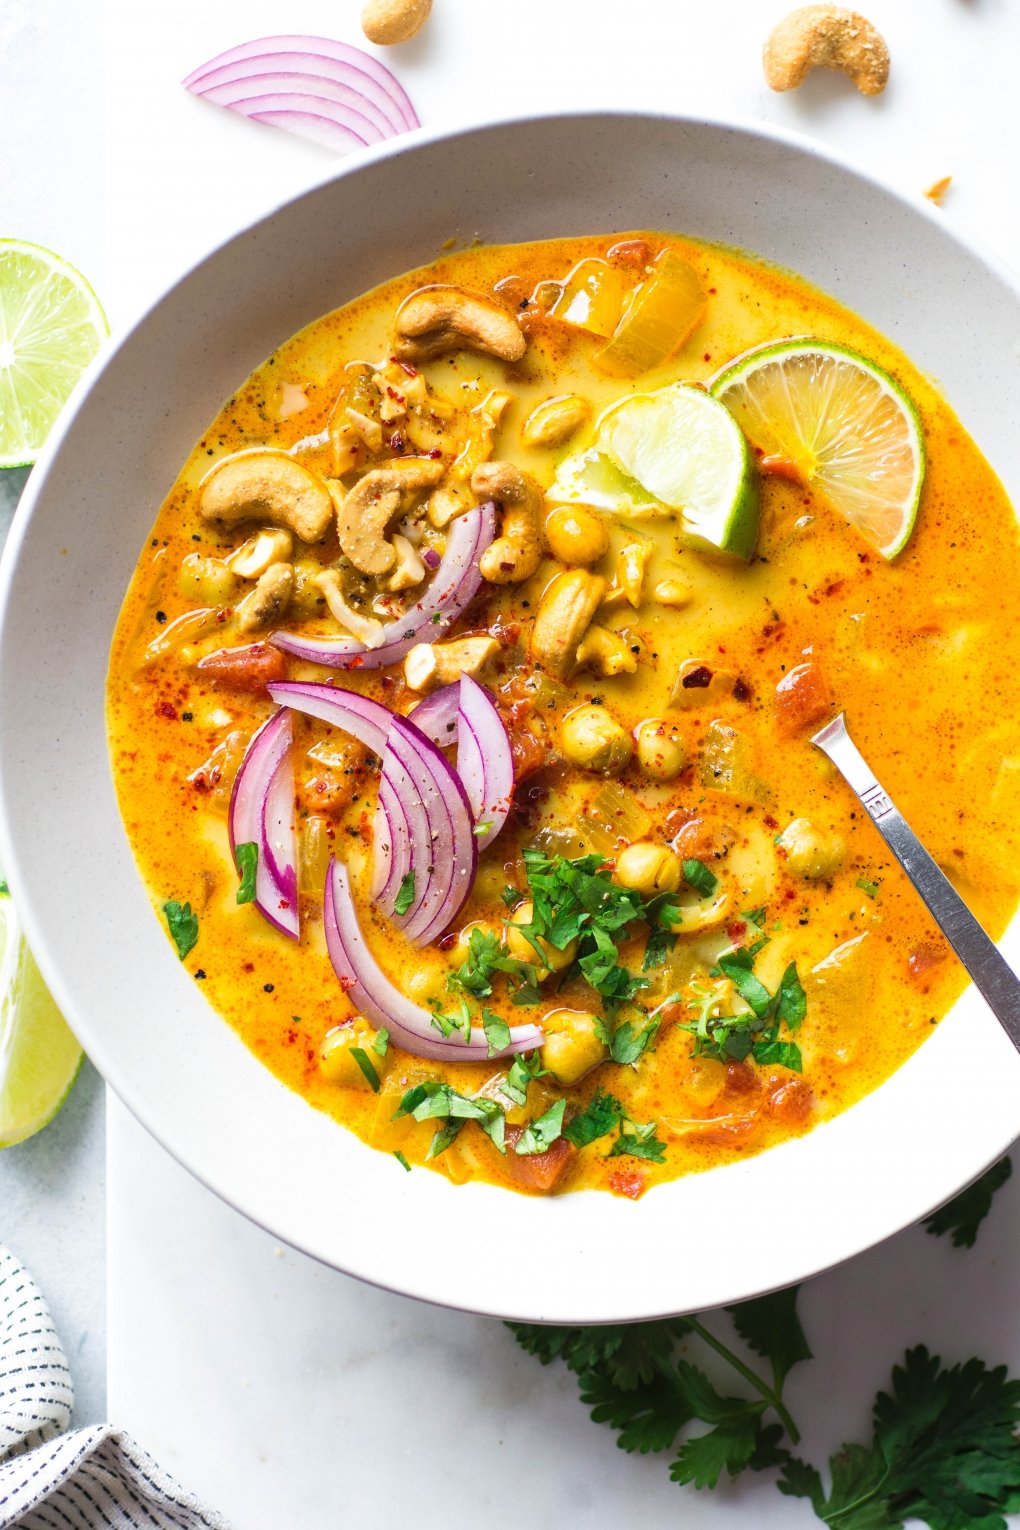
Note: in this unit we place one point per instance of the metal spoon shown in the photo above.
(991, 974)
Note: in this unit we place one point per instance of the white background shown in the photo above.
(289, 1395)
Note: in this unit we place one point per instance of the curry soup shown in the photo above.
(693, 938)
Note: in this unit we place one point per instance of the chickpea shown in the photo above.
(576, 535)
(336, 1060)
(208, 580)
(648, 869)
(461, 950)
(572, 1046)
(660, 749)
(591, 736)
(520, 948)
(811, 852)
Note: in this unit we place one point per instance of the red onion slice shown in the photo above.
(375, 997)
(262, 812)
(465, 715)
(391, 844)
(366, 720)
(316, 87)
(456, 583)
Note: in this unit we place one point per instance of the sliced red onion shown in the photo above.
(336, 95)
(464, 714)
(456, 583)
(375, 997)
(262, 812)
(437, 838)
(391, 844)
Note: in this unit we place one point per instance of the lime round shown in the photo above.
(842, 422)
(39, 1056)
(676, 451)
(51, 326)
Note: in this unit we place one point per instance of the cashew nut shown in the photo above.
(369, 430)
(270, 486)
(431, 664)
(268, 600)
(631, 566)
(829, 36)
(364, 513)
(564, 616)
(516, 554)
(672, 592)
(437, 320)
(394, 21)
(606, 652)
(554, 421)
(253, 557)
(365, 628)
(410, 569)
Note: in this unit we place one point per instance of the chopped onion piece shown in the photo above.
(262, 813)
(375, 997)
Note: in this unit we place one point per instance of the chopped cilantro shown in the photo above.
(871, 888)
(367, 1066)
(540, 1134)
(482, 828)
(398, 1155)
(525, 1067)
(497, 1032)
(182, 923)
(437, 1101)
(637, 1141)
(629, 1042)
(382, 1041)
(405, 894)
(698, 876)
(963, 1215)
(758, 1034)
(601, 1116)
(5, 891)
(247, 858)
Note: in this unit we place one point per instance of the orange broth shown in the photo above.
(920, 653)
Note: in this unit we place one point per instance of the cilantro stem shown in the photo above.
(771, 1394)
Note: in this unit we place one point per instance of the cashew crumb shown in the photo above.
(830, 37)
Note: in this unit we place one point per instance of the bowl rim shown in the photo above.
(360, 1263)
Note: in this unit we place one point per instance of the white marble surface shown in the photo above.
(287, 1393)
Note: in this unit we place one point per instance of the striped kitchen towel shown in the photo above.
(52, 1479)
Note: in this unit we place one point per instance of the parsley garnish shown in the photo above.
(398, 1155)
(639, 1141)
(405, 894)
(247, 858)
(367, 1066)
(182, 923)
(540, 1134)
(601, 1116)
(437, 1101)
(629, 1042)
(497, 1032)
(963, 1215)
(732, 1038)
(698, 876)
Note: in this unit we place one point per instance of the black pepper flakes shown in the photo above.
(268, 987)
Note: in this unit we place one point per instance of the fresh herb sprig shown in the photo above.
(182, 922)
(962, 1216)
(759, 1033)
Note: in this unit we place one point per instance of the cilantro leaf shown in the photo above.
(963, 1215)
(382, 1041)
(497, 1032)
(791, 1000)
(402, 1160)
(637, 1141)
(247, 859)
(541, 1133)
(728, 1447)
(698, 876)
(182, 923)
(601, 1116)
(770, 1325)
(751, 989)
(434, 1100)
(405, 894)
(783, 1054)
(629, 1042)
(367, 1067)
(648, 1417)
(660, 943)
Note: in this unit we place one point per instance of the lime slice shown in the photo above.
(673, 452)
(846, 425)
(39, 1057)
(51, 326)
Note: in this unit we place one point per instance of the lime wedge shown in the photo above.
(843, 423)
(51, 326)
(39, 1057)
(672, 452)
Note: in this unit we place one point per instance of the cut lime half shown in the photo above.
(39, 1056)
(676, 452)
(51, 326)
(842, 422)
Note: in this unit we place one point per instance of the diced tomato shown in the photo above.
(628, 1182)
(740, 1079)
(630, 252)
(537, 1171)
(790, 1101)
(245, 669)
(925, 956)
(528, 750)
(802, 698)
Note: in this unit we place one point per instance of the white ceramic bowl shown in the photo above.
(704, 1240)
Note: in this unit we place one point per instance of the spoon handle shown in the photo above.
(995, 979)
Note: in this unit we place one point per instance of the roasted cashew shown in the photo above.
(555, 420)
(268, 600)
(253, 557)
(829, 36)
(516, 554)
(431, 664)
(364, 513)
(410, 569)
(268, 486)
(606, 652)
(394, 21)
(564, 616)
(365, 628)
(437, 320)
